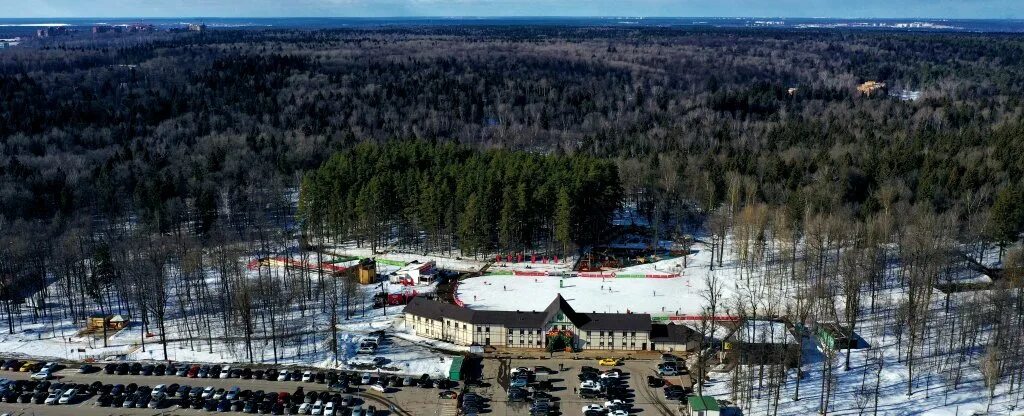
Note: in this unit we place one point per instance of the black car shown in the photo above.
(40, 397)
(544, 385)
(257, 374)
(246, 373)
(198, 403)
(250, 407)
(223, 405)
(105, 400)
(95, 387)
(516, 394)
(590, 394)
(110, 368)
(11, 396)
(588, 376)
(653, 381)
(237, 406)
(123, 369)
(270, 375)
(135, 369)
(210, 405)
(25, 397)
(131, 388)
(265, 407)
(184, 403)
(117, 390)
(119, 400)
(587, 369)
(320, 377)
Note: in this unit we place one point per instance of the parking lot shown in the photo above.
(642, 399)
(414, 400)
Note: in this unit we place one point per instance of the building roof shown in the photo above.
(435, 310)
(672, 333)
(703, 403)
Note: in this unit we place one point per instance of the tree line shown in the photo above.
(436, 197)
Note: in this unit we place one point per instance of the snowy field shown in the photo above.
(657, 296)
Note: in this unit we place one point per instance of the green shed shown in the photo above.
(703, 406)
(455, 372)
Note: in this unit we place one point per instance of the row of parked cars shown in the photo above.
(533, 384)
(325, 403)
(610, 385)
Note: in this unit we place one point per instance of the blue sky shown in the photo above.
(393, 8)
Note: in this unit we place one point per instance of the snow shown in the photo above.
(58, 339)
(657, 296)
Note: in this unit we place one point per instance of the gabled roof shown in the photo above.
(672, 333)
(431, 309)
(703, 403)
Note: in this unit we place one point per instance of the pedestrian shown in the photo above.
(573, 390)
(503, 288)
(602, 287)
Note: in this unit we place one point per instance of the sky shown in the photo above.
(962, 9)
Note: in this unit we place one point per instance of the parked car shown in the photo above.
(42, 375)
(609, 361)
(225, 372)
(68, 396)
(53, 397)
(183, 370)
(87, 369)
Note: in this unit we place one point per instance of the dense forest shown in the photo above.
(137, 168)
(483, 201)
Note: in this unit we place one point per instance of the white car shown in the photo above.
(50, 366)
(225, 371)
(67, 396)
(158, 390)
(307, 376)
(305, 408)
(618, 413)
(666, 372)
(518, 369)
(329, 409)
(54, 397)
(208, 392)
(590, 385)
(614, 403)
(610, 374)
(318, 407)
(283, 376)
(366, 350)
(594, 407)
(379, 388)
(365, 379)
(42, 375)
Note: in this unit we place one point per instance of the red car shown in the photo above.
(193, 372)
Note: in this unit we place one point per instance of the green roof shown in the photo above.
(702, 403)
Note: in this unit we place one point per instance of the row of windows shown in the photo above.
(521, 342)
(631, 344)
(610, 333)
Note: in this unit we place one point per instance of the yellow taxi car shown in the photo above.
(609, 361)
(27, 367)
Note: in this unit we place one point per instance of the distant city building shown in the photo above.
(7, 43)
(52, 31)
(193, 27)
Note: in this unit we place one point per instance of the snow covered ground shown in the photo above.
(657, 296)
(309, 346)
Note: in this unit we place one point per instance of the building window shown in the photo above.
(509, 332)
(600, 344)
(633, 334)
(602, 333)
(479, 329)
(538, 332)
(632, 345)
(623, 333)
(488, 329)
(521, 332)
(463, 326)
(589, 334)
(538, 342)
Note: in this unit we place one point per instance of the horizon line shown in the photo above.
(515, 17)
